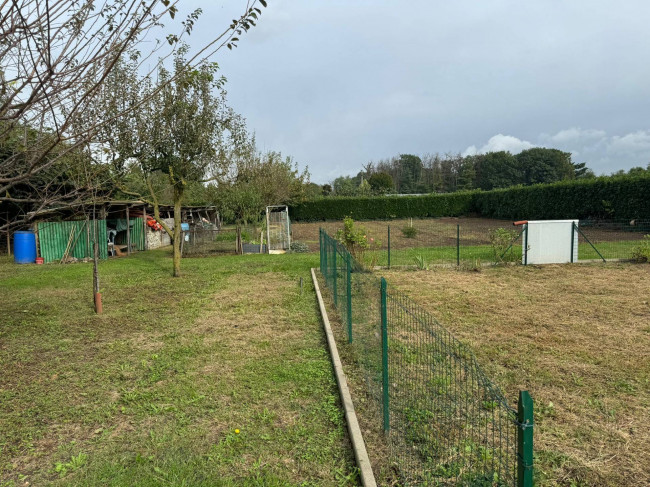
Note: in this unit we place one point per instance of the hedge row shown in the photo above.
(383, 207)
(606, 197)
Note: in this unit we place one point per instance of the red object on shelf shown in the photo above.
(40, 260)
(151, 222)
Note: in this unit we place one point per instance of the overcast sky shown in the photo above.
(336, 84)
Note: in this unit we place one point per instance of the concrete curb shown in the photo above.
(358, 445)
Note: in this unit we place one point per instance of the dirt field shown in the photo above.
(430, 231)
(436, 238)
(576, 337)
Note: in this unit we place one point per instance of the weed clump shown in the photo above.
(409, 232)
(641, 253)
(501, 240)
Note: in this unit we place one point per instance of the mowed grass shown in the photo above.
(152, 392)
(578, 338)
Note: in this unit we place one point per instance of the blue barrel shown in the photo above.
(24, 247)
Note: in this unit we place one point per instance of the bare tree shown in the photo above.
(54, 57)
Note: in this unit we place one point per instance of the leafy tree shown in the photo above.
(542, 165)
(581, 171)
(381, 182)
(466, 174)
(58, 58)
(255, 181)
(185, 133)
(344, 186)
(497, 170)
(638, 171)
(410, 173)
(313, 191)
(364, 188)
(327, 189)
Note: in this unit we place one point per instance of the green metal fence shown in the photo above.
(476, 241)
(70, 239)
(447, 424)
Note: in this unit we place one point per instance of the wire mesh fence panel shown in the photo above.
(610, 239)
(366, 329)
(278, 232)
(355, 292)
(448, 424)
(439, 241)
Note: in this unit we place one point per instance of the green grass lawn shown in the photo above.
(218, 378)
(485, 254)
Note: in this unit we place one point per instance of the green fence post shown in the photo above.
(349, 295)
(389, 246)
(384, 355)
(525, 440)
(573, 229)
(325, 258)
(589, 242)
(335, 271)
(457, 245)
(526, 246)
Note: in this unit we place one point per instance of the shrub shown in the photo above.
(409, 232)
(500, 239)
(299, 247)
(641, 253)
(356, 240)
(420, 263)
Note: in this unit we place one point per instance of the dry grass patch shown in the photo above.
(578, 338)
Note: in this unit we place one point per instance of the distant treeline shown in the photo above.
(411, 174)
(603, 197)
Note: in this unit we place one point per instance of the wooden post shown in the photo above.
(268, 232)
(96, 294)
(38, 244)
(128, 232)
(288, 230)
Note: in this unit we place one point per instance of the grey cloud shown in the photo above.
(604, 153)
(337, 83)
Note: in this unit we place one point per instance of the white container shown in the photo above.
(550, 242)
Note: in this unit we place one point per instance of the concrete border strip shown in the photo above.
(358, 445)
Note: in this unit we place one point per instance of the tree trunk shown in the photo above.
(240, 247)
(178, 198)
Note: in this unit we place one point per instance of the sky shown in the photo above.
(336, 84)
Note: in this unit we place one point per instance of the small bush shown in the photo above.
(355, 239)
(409, 232)
(299, 247)
(420, 263)
(641, 252)
(500, 239)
